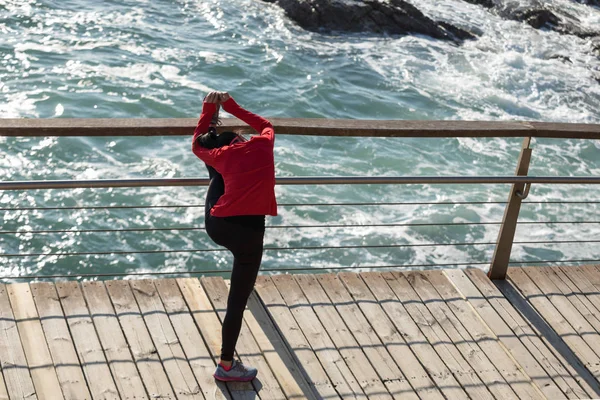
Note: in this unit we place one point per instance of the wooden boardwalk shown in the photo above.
(449, 334)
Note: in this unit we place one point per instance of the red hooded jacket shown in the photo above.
(248, 168)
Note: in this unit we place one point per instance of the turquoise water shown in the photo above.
(77, 59)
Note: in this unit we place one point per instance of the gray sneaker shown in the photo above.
(238, 373)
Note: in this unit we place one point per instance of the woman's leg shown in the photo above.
(246, 245)
(246, 263)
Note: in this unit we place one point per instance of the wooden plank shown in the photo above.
(204, 314)
(555, 319)
(345, 383)
(121, 363)
(555, 365)
(144, 353)
(593, 274)
(165, 340)
(62, 349)
(369, 341)
(190, 339)
(551, 129)
(3, 390)
(570, 313)
(34, 343)
(424, 335)
(542, 328)
(481, 334)
(210, 328)
(246, 346)
(396, 340)
(502, 331)
(344, 341)
(583, 287)
(271, 344)
(298, 126)
(588, 280)
(572, 293)
(306, 360)
(486, 370)
(12, 356)
(89, 350)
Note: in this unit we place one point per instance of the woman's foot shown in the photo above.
(238, 372)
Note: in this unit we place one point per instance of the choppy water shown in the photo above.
(72, 59)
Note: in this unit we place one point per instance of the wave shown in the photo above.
(84, 60)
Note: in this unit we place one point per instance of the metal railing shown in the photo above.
(304, 180)
(521, 183)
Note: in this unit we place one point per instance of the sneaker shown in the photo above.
(238, 373)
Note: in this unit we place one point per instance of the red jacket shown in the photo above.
(248, 168)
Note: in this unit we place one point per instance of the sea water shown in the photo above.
(157, 59)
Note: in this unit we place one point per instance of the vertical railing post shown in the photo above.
(519, 191)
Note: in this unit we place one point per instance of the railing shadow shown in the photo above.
(520, 303)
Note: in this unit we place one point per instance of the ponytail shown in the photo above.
(211, 140)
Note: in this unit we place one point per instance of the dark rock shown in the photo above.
(458, 33)
(483, 3)
(539, 15)
(394, 17)
(596, 46)
(561, 58)
(595, 3)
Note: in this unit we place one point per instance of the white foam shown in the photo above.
(505, 74)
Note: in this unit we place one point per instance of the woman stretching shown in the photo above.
(240, 193)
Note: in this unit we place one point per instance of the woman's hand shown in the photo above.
(212, 97)
(223, 97)
(217, 97)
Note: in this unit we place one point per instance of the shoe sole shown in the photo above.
(233, 379)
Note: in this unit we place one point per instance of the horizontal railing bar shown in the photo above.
(279, 205)
(551, 261)
(271, 270)
(306, 180)
(555, 241)
(220, 271)
(299, 126)
(123, 252)
(556, 222)
(201, 228)
(385, 246)
(289, 205)
(559, 202)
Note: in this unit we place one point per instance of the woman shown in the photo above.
(240, 193)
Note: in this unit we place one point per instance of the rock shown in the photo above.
(533, 15)
(394, 17)
(595, 3)
(596, 46)
(458, 33)
(483, 3)
(539, 15)
(561, 58)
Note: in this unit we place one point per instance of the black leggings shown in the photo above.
(243, 236)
